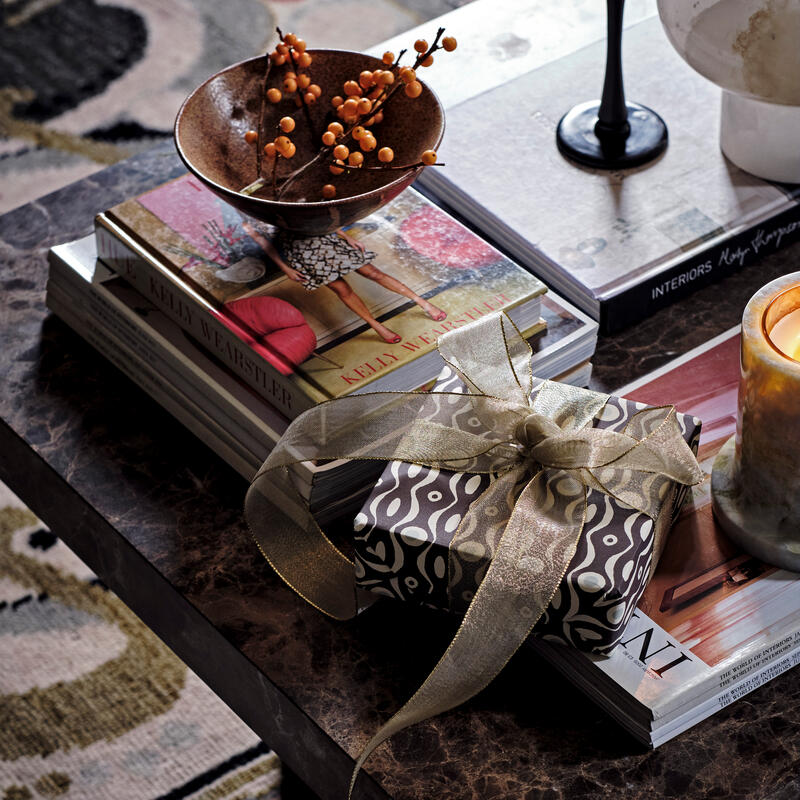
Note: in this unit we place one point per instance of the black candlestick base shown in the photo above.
(642, 138)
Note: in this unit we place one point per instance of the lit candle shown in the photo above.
(785, 335)
(755, 483)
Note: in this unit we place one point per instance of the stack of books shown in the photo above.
(198, 306)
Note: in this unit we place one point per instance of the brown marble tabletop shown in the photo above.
(158, 516)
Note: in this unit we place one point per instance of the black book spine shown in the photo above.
(705, 267)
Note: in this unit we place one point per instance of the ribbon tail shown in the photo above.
(531, 559)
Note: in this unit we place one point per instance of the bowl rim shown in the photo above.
(403, 176)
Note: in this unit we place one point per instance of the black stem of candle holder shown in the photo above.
(612, 133)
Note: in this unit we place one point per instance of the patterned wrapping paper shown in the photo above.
(404, 532)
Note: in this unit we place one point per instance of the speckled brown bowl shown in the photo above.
(210, 128)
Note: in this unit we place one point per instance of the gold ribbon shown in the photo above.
(545, 456)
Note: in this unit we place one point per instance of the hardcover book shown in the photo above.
(619, 244)
(713, 623)
(210, 400)
(308, 319)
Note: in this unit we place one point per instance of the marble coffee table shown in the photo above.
(158, 516)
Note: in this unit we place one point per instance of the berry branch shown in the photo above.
(344, 145)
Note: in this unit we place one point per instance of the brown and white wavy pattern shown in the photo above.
(408, 522)
(405, 528)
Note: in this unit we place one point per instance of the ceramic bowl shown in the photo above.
(210, 128)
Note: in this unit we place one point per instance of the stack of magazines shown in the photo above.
(714, 623)
(236, 328)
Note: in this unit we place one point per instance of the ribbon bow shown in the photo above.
(545, 456)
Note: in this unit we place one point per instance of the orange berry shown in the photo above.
(407, 75)
(328, 138)
(336, 128)
(290, 85)
(352, 89)
(367, 143)
(378, 118)
(427, 62)
(274, 95)
(315, 90)
(336, 170)
(341, 152)
(282, 142)
(340, 112)
(449, 43)
(304, 59)
(287, 124)
(282, 48)
(290, 74)
(289, 150)
(329, 191)
(251, 136)
(420, 45)
(337, 101)
(388, 58)
(428, 157)
(350, 106)
(371, 121)
(413, 89)
(366, 79)
(350, 120)
(277, 58)
(300, 45)
(375, 93)
(355, 159)
(385, 154)
(310, 98)
(386, 78)
(290, 39)
(358, 132)
(303, 81)
(270, 151)
(364, 105)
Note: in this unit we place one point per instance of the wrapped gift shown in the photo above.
(410, 542)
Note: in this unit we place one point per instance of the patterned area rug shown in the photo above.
(85, 83)
(92, 704)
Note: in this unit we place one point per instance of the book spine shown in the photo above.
(736, 674)
(101, 315)
(698, 713)
(192, 418)
(290, 394)
(706, 267)
(108, 312)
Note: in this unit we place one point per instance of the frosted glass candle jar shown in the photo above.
(751, 49)
(755, 484)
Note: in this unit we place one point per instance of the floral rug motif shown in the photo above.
(92, 704)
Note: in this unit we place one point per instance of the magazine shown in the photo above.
(305, 319)
(714, 622)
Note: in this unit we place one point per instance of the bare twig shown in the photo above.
(384, 168)
(260, 128)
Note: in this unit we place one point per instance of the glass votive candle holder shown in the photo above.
(755, 483)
